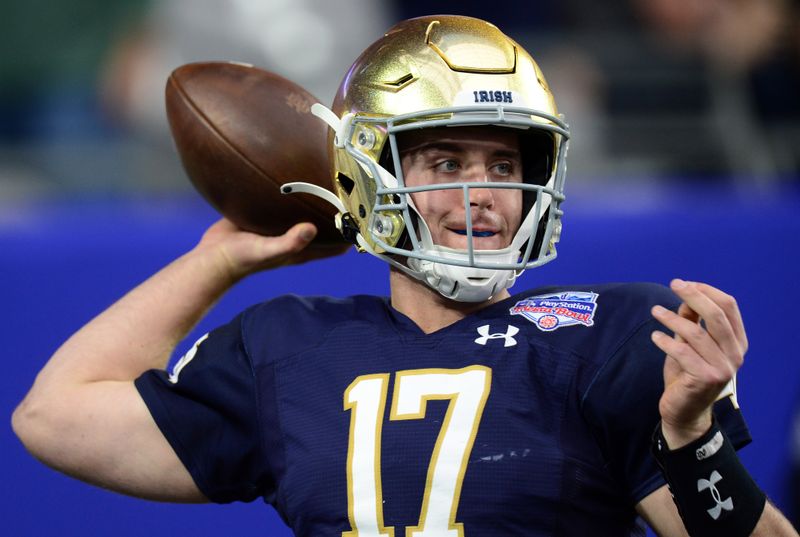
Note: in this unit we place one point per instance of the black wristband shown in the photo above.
(714, 492)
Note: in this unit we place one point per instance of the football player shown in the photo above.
(451, 408)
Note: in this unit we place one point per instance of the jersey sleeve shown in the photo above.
(207, 410)
(621, 407)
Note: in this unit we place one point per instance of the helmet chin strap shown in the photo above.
(338, 125)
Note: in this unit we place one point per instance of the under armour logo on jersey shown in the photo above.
(508, 337)
(711, 483)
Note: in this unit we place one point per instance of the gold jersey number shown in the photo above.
(467, 390)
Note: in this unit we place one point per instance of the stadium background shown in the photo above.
(684, 163)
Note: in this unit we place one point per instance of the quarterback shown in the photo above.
(452, 407)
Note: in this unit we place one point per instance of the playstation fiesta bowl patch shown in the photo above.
(549, 312)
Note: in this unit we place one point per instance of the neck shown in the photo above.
(428, 309)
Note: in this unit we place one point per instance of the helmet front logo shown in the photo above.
(484, 96)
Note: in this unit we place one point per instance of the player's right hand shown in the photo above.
(237, 253)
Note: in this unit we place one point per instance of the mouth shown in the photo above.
(475, 232)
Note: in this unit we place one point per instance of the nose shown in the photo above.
(475, 173)
(482, 198)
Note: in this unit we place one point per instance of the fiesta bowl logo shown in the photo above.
(549, 312)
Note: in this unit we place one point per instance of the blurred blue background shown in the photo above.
(684, 163)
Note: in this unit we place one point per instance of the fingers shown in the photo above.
(713, 350)
(719, 312)
(687, 313)
(731, 309)
(695, 352)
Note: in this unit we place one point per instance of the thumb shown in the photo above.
(276, 249)
(299, 235)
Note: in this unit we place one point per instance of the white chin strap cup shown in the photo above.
(465, 284)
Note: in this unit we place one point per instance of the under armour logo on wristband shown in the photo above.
(711, 483)
(508, 337)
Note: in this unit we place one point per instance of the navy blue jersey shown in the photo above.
(531, 417)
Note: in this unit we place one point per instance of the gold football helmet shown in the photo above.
(438, 71)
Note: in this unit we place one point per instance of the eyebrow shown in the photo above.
(452, 147)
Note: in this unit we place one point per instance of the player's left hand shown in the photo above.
(701, 357)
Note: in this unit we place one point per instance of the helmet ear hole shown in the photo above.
(346, 183)
(386, 161)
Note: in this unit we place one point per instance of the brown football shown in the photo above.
(242, 132)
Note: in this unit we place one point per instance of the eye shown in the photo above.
(503, 169)
(447, 166)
